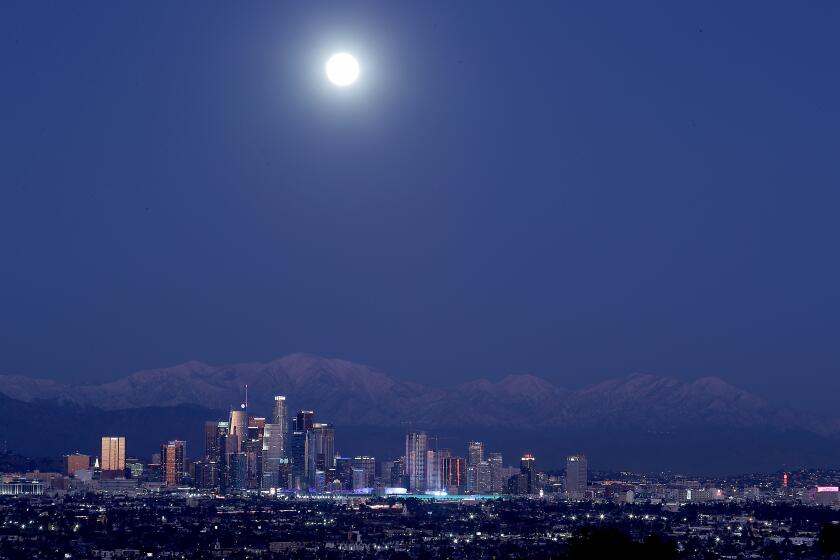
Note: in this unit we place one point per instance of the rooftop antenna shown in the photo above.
(246, 397)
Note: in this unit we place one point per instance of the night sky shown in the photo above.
(579, 191)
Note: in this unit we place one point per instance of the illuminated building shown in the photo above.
(359, 479)
(398, 478)
(237, 471)
(454, 474)
(20, 486)
(416, 446)
(113, 454)
(133, 467)
(172, 455)
(238, 427)
(483, 478)
(526, 469)
(273, 452)
(211, 439)
(434, 468)
(76, 462)
(497, 479)
(303, 459)
(324, 445)
(475, 455)
(368, 466)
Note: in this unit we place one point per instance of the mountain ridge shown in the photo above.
(342, 391)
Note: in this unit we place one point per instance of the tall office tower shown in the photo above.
(253, 451)
(76, 462)
(225, 445)
(273, 452)
(113, 454)
(279, 417)
(475, 455)
(497, 479)
(475, 452)
(368, 466)
(454, 474)
(526, 468)
(324, 445)
(416, 446)
(576, 474)
(278, 413)
(172, 456)
(222, 429)
(238, 427)
(303, 420)
(434, 468)
(398, 479)
(483, 478)
(237, 470)
(211, 440)
(303, 459)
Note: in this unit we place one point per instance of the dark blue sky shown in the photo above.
(578, 191)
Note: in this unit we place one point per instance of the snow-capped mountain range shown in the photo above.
(352, 394)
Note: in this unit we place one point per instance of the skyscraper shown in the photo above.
(576, 475)
(211, 440)
(434, 468)
(475, 452)
(275, 446)
(172, 456)
(454, 474)
(238, 427)
(273, 452)
(113, 454)
(303, 459)
(324, 445)
(368, 466)
(303, 420)
(483, 477)
(416, 446)
(526, 469)
(475, 455)
(497, 479)
(253, 447)
(279, 414)
(225, 445)
(398, 478)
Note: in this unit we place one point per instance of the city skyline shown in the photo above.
(366, 401)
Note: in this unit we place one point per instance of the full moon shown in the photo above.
(342, 69)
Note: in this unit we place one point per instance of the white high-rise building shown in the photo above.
(416, 446)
